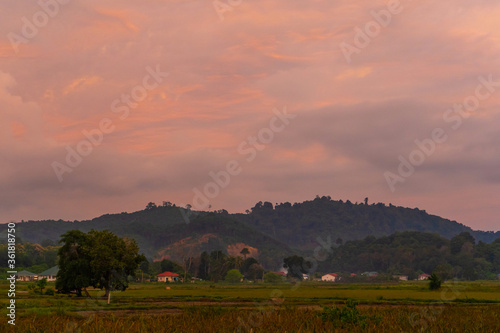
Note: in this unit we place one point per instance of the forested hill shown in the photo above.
(271, 232)
(300, 224)
(167, 232)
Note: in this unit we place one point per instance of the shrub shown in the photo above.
(347, 316)
(271, 277)
(434, 282)
(49, 291)
(233, 276)
(37, 287)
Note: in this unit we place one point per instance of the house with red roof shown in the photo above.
(167, 277)
(423, 277)
(332, 277)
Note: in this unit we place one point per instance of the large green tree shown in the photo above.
(112, 260)
(99, 259)
(74, 264)
(296, 266)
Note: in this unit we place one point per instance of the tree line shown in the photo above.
(208, 266)
(411, 253)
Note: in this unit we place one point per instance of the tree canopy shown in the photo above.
(296, 266)
(99, 259)
(233, 276)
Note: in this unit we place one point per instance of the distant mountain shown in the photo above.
(300, 224)
(168, 232)
(269, 232)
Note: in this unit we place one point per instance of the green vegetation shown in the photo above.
(434, 282)
(162, 231)
(35, 258)
(38, 287)
(411, 253)
(300, 224)
(276, 232)
(271, 277)
(296, 266)
(262, 307)
(233, 276)
(98, 258)
(348, 316)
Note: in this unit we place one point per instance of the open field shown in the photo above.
(205, 307)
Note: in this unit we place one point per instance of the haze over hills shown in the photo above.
(270, 232)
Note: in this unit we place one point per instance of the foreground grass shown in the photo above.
(216, 319)
(149, 307)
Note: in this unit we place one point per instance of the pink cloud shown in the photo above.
(225, 78)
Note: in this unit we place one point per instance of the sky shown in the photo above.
(108, 105)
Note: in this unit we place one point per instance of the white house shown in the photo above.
(332, 277)
(50, 274)
(401, 277)
(26, 276)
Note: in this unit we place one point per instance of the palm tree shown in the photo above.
(244, 252)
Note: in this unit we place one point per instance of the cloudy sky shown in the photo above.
(107, 105)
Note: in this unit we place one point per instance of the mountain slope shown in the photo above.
(301, 224)
(271, 232)
(157, 229)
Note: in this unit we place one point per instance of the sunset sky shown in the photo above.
(296, 98)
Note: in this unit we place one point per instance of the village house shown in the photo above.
(26, 276)
(331, 277)
(168, 277)
(370, 274)
(50, 274)
(401, 277)
(423, 276)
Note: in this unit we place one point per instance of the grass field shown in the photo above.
(303, 307)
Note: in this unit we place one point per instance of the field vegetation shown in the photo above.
(264, 307)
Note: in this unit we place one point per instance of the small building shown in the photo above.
(331, 277)
(423, 276)
(305, 276)
(26, 276)
(168, 277)
(280, 273)
(50, 274)
(401, 277)
(370, 274)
